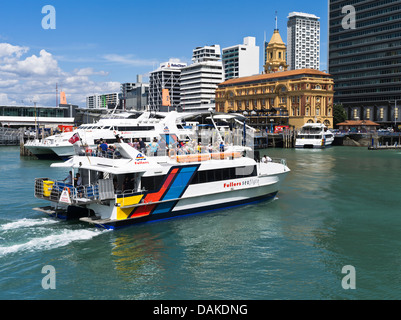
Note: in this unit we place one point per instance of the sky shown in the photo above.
(97, 45)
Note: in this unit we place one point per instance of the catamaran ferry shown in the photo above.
(130, 187)
(314, 136)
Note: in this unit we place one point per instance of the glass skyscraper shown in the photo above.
(365, 58)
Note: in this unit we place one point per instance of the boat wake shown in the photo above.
(59, 239)
(27, 223)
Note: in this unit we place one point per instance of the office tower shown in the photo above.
(102, 101)
(365, 59)
(241, 60)
(135, 95)
(200, 79)
(166, 77)
(303, 41)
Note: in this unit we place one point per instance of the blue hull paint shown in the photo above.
(168, 216)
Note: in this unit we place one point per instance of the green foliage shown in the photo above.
(339, 114)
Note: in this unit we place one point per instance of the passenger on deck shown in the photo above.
(78, 184)
(222, 146)
(266, 159)
(68, 180)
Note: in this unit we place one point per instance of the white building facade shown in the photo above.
(303, 41)
(199, 81)
(241, 60)
(102, 101)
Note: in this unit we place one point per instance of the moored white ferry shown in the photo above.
(314, 136)
(130, 187)
(145, 125)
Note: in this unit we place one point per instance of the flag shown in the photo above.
(74, 138)
(166, 101)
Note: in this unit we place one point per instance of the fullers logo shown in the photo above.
(140, 159)
(232, 184)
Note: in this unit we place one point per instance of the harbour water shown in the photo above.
(338, 207)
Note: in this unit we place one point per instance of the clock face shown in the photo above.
(281, 68)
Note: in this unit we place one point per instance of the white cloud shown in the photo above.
(8, 50)
(29, 77)
(129, 60)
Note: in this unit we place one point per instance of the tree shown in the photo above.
(339, 114)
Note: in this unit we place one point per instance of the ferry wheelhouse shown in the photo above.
(314, 136)
(129, 187)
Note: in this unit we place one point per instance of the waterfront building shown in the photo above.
(103, 101)
(361, 126)
(32, 116)
(365, 61)
(200, 79)
(303, 41)
(166, 79)
(135, 95)
(291, 97)
(278, 96)
(241, 60)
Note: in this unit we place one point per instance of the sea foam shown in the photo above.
(53, 241)
(26, 223)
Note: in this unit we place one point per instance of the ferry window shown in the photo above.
(203, 176)
(152, 183)
(218, 175)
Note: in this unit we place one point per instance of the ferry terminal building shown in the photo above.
(278, 96)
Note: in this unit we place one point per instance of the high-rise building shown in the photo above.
(200, 79)
(135, 95)
(102, 101)
(166, 77)
(241, 60)
(365, 58)
(303, 41)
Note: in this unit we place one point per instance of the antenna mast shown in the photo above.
(56, 95)
(276, 22)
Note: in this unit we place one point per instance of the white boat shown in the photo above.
(146, 125)
(129, 187)
(314, 136)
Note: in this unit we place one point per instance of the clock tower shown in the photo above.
(276, 54)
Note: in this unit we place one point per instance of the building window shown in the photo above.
(318, 111)
(368, 113)
(381, 113)
(307, 112)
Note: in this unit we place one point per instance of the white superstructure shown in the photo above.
(241, 60)
(303, 41)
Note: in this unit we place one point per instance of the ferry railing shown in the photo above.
(51, 190)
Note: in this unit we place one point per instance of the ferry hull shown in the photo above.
(112, 225)
(42, 153)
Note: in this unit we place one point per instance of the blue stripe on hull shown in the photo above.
(198, 210)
